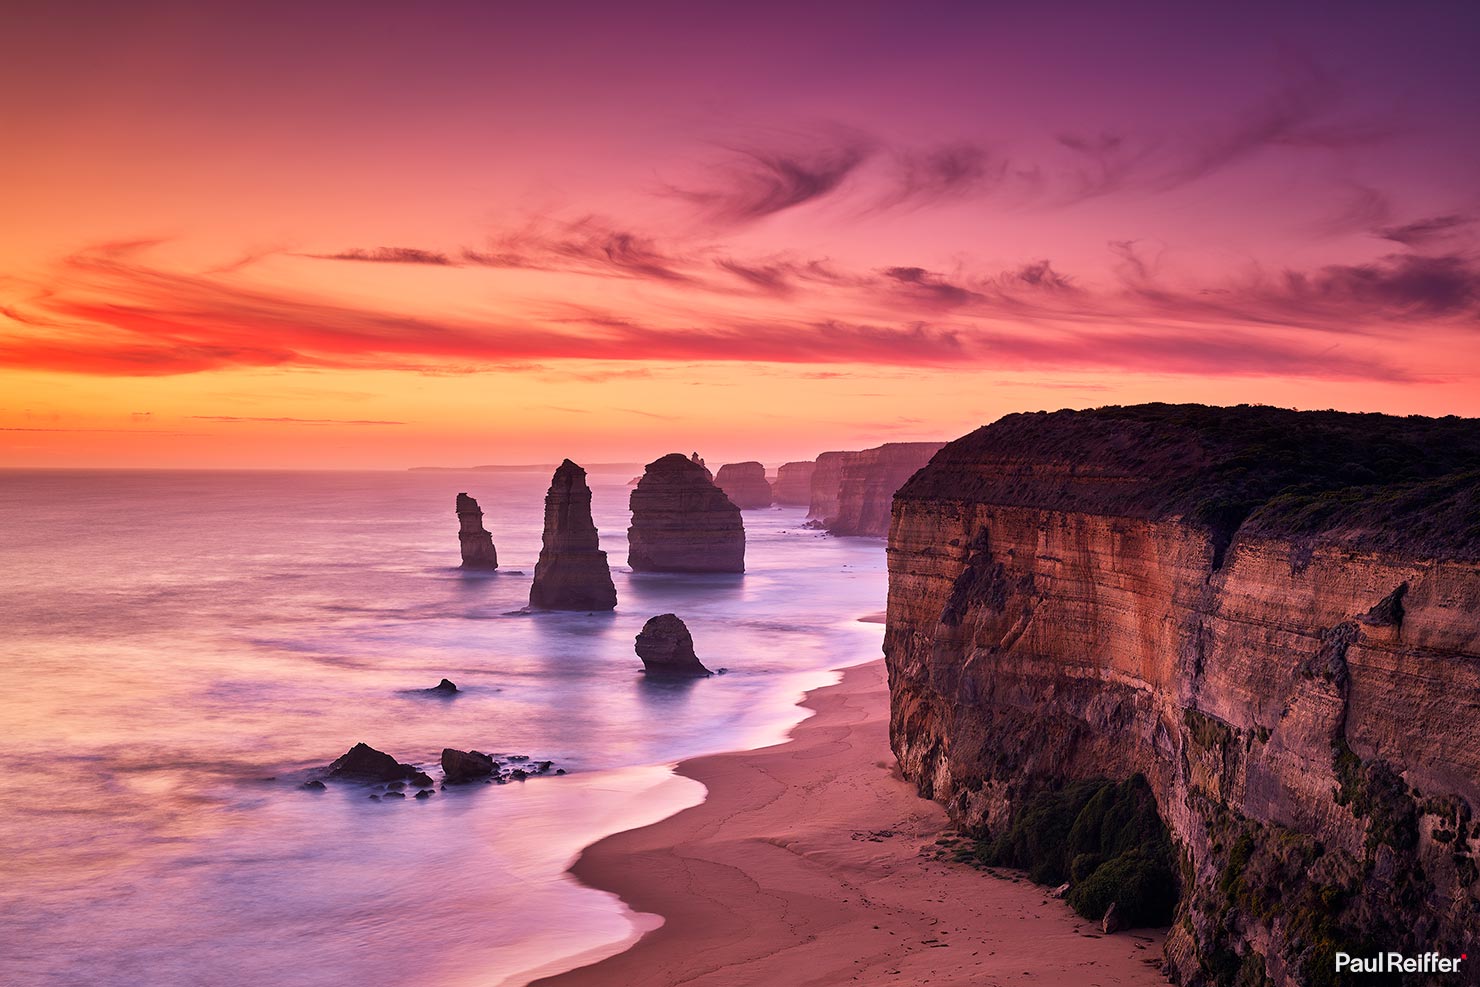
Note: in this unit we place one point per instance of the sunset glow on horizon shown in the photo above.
(381, 236)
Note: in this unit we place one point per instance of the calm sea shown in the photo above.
(179, 647)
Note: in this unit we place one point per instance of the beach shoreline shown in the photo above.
(810, 862)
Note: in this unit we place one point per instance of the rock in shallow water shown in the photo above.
(745, 484)
(682, 522)
(364, 763)
(443, 688)
(477, 543)
(460, 767)
(572, 573)
(666, 647)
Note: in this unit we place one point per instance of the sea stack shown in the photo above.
(745, 484)
(682, 522)
(793, 486)
(666, 648)
(572, 573)
(477, 543)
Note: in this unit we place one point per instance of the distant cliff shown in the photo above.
(793, 486)
(1273, 616)
(852, 491)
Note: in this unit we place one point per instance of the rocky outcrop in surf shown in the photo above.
(793, 486)
(666, 648)
(745, 484)
(1262, 619)
(477, 543)
(572, 572)
(682, 522)
(364, 763)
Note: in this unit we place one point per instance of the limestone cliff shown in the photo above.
(1270, 615)
(745, 484)
(682, 522)
(827, 478)
(793, 486)
(477, 543)
(572, 572)
(867, 484)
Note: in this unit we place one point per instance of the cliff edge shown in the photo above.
(1268, 615)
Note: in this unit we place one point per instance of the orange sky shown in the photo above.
(369, 236)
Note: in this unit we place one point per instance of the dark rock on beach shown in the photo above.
(666, 647)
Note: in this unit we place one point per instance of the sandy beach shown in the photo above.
(810, 863)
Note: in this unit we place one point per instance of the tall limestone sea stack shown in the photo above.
(572, 573)
(477, 543)
(682, 522)
(745, 484)
(1263, 620)
(793, 486)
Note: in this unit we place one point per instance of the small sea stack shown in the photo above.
(745, 484)
(666, 648)
(793, 486)
(572, 573)
(682, 522)
(477, 543)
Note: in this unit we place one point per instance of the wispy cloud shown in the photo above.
(390, 255)
(755, 182)
(111, 312)
(290, 421)
(1426, 231)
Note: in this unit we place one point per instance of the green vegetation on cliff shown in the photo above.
(1103, 837)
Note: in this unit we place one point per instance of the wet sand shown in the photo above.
(809, 864)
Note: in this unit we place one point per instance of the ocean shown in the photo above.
(180, 648)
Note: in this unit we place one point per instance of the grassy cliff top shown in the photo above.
(1369, 481)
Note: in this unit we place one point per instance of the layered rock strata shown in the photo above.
(572, 572)
(682, 522)
(745, 484)
(827, 479)
(477, 543)
(666, 648)
(867, 483)
(1270, 615)
(793, 486)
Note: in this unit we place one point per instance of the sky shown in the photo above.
(369, 235)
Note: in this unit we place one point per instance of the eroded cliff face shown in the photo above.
(827, 478)
(793, 486)
(1306, 709)
(867, 484)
